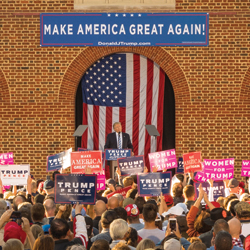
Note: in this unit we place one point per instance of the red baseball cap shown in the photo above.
(168, 199)
(13, 231)
(132, 210)
(216, 204)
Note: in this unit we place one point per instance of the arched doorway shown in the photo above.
(147, 92)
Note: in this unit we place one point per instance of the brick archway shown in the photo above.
(4, 93)
(88, 56)
(245, 87)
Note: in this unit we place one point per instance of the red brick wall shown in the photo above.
(38, 85)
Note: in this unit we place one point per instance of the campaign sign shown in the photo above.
(131, 165)
(124, 29)
(101, 180)
(180, 166)
(245, 170)
(6, 158)
(199, 176)
(103, 156)
(153, 184)
(122, 191)
(72, 188)
(218, 189)
(219, 169)
(15, 174)
(81, 160)
(114, 154)
(192, 162)
(58, 161)
(162, 160)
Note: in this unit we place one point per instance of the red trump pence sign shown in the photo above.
(82, 159)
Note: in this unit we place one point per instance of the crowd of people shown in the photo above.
(30, 219)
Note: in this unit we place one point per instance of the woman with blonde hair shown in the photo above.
(13, 244)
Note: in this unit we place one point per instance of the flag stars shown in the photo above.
(103, 74)
(111, 92)
(112, 101)
(115, 62)
(111, 66)
(107, 79)
(120, 75)
(99, 87)
(88, 98)
(91, 94)
(120, 92)
(131, 14)
(111, 58)
(103, 100)
(119, 67)
(107, 96)
(103, 83)
(94, 73)
(99, 70)
(103, 66)
(116, 97)
(87, 81)
(91, 86)
(115, 88)
(91, 77)
(88, 90)
(107, 62)
(107, 70)
(107, 87)
(95, 90)
(95, 99)
(120, 101)
(90, 69)
(103, 91)
(99, 78)
(124, 15)
(111, 83)
(119, 58)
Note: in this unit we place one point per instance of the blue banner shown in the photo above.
(131, 165)
(114, 154)
(124, 29)
(72, 188)
(153, 184)
(58, 161)
(180, 167)
(219, 189)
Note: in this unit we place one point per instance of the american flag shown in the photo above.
(128, 88)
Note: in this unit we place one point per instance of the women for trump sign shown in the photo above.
(163, 160)
(219, 169)
(245, 170)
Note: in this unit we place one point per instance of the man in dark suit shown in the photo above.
(118, 138)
